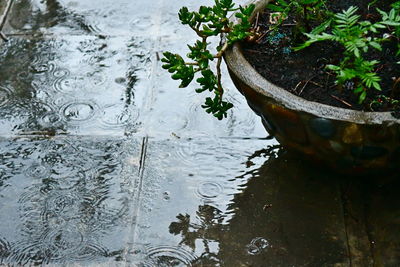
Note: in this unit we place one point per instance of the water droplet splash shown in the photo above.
(5, 95)
(257, 246)
(79, 111)
(209, 190)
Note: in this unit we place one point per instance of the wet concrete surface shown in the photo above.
(105, 161)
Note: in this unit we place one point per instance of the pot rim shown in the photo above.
(239, 65)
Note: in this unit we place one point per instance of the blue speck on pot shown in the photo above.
(286, 50)
(368, 152)
(323, 127)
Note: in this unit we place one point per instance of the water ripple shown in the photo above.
(5, 248)
(164, 256)
(61, 72)
(116, 116)
(50, 119)
(62, 242)
(187, 152)
(172, 122)
(141, 24)
(97, 79)
(37, 171)
(257, 245)
(41, 68)
(78, 112)
(68, 85)
(209, 190)
(5, 95)
(59, 201)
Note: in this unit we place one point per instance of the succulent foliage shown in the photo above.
(208, 22)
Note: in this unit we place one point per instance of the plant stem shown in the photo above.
(219, 61)
(191, 63)
(198, 32)
(220, 90)
(222, 51)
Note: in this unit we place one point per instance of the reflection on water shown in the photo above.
(272, 221)
(66, 200)
(32, 15)
(275, 210)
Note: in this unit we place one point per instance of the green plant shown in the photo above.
(384, 102)
(357, 37)
(208, 22)
(306, 12)
(392, 19)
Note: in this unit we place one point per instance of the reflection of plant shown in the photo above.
(210, 219)
(207, 22)
(207, 230)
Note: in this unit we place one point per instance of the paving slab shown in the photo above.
(76, 85)
(67, 199)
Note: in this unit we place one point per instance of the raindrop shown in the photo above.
(209, 190)
(49, 119)
(257, 245)
(4, 248)
(172, 122)
(166, 196)
(78, 111)
(115, 116)
(24, 76)
(141, 24)
(4, 96)
(67, 85)
(253, 250)
(58, 201)
(42, 68)
(188, 153)
(62, 242)
(97, 80)
(37, 170)
(58, 73)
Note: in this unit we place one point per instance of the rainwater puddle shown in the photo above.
(66, 200)
(72, 93)
(105, 161)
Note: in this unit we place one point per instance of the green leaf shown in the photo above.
(375, 45)
(362, 97)
(333, 67)
(275, 8)
(377, 86)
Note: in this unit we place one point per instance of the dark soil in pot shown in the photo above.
(303, 73)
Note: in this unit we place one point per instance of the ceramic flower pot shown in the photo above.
(347, 140)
